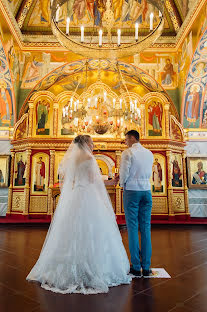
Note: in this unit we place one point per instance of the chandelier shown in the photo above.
(105, 28)
(98, 110)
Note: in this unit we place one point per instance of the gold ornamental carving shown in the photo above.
(159, 205)
(178, 202)
(18, 201)
(38, 204)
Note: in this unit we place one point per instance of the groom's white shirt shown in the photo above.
(136, 168)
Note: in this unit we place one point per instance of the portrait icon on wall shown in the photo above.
(20, 169)
(42, 113)
(158, 174)
(4, 170)
(39, 184)
(177, 175)
(155, 117)
(40, 172)
(197, 172)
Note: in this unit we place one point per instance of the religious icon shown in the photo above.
(20, 171)
(4, 170)
(197, 172)
(155, 115)
(176, 173)
(42, 109)
(200, 69)
(157, 176)
(168, 74)
(5, 103)
(39, 184)
(200, 176)
(192, 106)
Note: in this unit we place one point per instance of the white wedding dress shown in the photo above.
(83, 251)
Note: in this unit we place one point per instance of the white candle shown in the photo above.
(82, 33)
(63, 111)
(71, 102)
(114, 103)
(138, 112)
(100, 37)
(75, 107)
(57, 15)
(135, 104)
(89, 102)
(77, 104)
(66, 111)
(130, 106)
(96, 101)
(122, 121)
(120, 103)
(160, 14)
(119, 37)
(136, 31)
(67, 25)
(151, 21)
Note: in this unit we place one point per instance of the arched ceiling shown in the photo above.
(33, 16)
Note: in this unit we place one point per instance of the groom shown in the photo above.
(135, 172)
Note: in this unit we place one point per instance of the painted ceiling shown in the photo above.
(33, 16)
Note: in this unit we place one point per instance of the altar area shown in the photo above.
(51, 117)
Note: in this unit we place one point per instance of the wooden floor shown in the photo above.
(181, 250)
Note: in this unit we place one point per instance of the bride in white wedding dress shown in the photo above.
(83, 251)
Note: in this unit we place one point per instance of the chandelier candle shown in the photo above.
(100, 37)
(82, 34)
(136, 31)
(67, 25)
(119, 37)
(57, 15)
(151, 21)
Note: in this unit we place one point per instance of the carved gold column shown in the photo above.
(143, 121)
(31, 111)
(167, 121)
(51, 183)
(169, 187)
(55, 119)
(10, 192)
(27, 186)
(185, 183)
(118, 188)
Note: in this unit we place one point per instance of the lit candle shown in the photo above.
(135, 103)
(151, 21)
(71, 102)
(122, 121)
(82, 33)
(97, 118)
(63, 111)
(67, 25)
(66, 110)
(100, 37)
(96, 101)
(136, 31)
(105, 94)
(77, 104)
(120, 103)
(89, 102)
(118, 123)
(57, 15)
(75, 107)
(114, 103)
(160, 14)
(138, 112)
(130, 106)
(119, 37)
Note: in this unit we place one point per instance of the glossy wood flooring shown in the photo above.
(181, 250)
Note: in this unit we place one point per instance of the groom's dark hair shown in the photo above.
(133, 133)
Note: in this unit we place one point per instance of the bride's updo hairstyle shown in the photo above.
(81, 140)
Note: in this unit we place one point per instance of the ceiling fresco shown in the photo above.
(33, 16)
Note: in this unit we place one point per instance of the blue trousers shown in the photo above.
(137, 207)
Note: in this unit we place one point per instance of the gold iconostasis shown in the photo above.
(49, 120)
